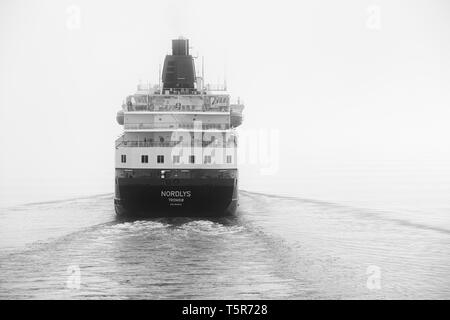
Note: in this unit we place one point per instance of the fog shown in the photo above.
(356, 94)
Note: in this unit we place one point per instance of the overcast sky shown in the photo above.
(356, 94)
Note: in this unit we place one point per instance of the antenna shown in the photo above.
(148, 94)
(225, 76)
(159, 78)
(203, 72)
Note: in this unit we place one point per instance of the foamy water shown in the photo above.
(274, 248)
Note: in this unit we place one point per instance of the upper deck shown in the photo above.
(185, 103)
(181, 102)
(151, 110)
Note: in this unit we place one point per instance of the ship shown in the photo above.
(177, 154)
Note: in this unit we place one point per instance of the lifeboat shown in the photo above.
(236, 115)
(120, 117)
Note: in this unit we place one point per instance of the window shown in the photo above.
(123, 158)
(229, 159)
(191, 159)
(207, 159)
(144, 159)
(176, 159)
(160, 159)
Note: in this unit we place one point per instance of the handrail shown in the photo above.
(192, 143)
(182, 108)
(176, 125)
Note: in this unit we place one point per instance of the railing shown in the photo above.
(179, 143)
(147, 144)
(182, 108)
(176, 125)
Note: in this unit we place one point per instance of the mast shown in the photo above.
(159, 78)
(203, 72)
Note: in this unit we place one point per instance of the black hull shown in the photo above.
(144, 193)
